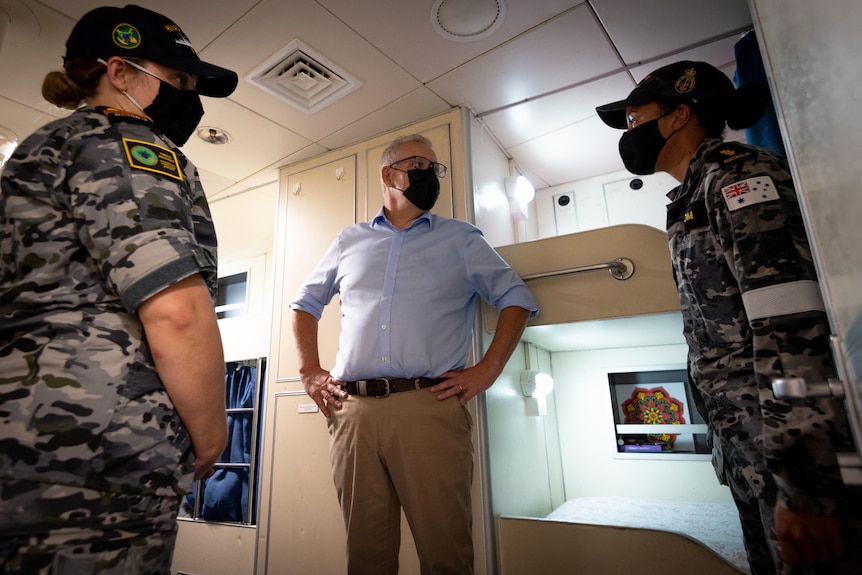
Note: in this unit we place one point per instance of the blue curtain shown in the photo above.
(225, 494)
(749, 69)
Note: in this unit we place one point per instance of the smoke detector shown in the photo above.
(303, 78)
(467, 20)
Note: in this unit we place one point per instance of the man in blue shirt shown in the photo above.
(409, 283)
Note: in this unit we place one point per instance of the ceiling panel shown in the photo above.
(402, 29)
(417, 105)
(534, 82)
(274, 24)
(718, 53)
(519, 124)
(646, 29)
(24, 120)
(254, 141)
(33, 46)
(566, 50)
(572, 153)
(202, 21)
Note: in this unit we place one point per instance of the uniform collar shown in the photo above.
(695, 168)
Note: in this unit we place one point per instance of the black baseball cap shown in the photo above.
(696, 82)
(136, 32)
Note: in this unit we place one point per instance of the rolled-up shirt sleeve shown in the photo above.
(320, 286)
(494, 279)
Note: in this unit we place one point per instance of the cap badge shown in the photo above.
(126, 36)
(181, 38)
(685, 83)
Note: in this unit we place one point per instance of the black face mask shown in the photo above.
(176, 112)
(641, 146)
(424, 188)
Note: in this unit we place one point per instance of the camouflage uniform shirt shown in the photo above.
(98, 213)
(753, 312)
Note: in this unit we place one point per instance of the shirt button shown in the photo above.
(383, 327)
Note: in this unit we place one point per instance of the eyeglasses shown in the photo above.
(420, 163)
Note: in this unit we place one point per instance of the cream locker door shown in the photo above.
(318, 203)
(301, 530)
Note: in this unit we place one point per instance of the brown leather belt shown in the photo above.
(383, 386)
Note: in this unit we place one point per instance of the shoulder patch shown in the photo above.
(749, 192)
(152, 158)
(727, 154)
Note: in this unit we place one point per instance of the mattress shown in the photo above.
(716, 525)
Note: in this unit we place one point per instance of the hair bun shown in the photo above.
(746, 105)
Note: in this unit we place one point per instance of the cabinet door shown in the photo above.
(317, 204)
(303, 499)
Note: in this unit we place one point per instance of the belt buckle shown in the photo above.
(362, 387)
(387, 388)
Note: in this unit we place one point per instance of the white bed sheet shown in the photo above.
(716, 525)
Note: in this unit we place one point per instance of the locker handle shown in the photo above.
(798, 388)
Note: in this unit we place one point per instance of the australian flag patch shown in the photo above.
(749, 192)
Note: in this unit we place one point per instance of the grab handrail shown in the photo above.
(620, 268)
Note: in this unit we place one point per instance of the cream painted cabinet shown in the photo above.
(301, 530)
(315, 203)
(304, 531)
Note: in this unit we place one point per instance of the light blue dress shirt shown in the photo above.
(409, 297)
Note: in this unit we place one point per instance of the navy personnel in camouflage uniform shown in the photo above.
(752, 313)
(111, 368)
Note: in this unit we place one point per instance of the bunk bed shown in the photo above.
(611, 534)
(715, 525)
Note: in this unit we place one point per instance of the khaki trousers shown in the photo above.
(410, 451)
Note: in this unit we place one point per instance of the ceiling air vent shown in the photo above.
(303, 78)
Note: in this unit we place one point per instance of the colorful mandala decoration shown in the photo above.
(654, 406)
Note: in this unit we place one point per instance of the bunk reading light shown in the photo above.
(536, 384)
(520, 193)
(8, 142)
(520, 188)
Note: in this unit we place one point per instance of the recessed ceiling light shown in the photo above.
(212, 135)
(467, 20)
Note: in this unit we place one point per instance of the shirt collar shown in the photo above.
(380, 220)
